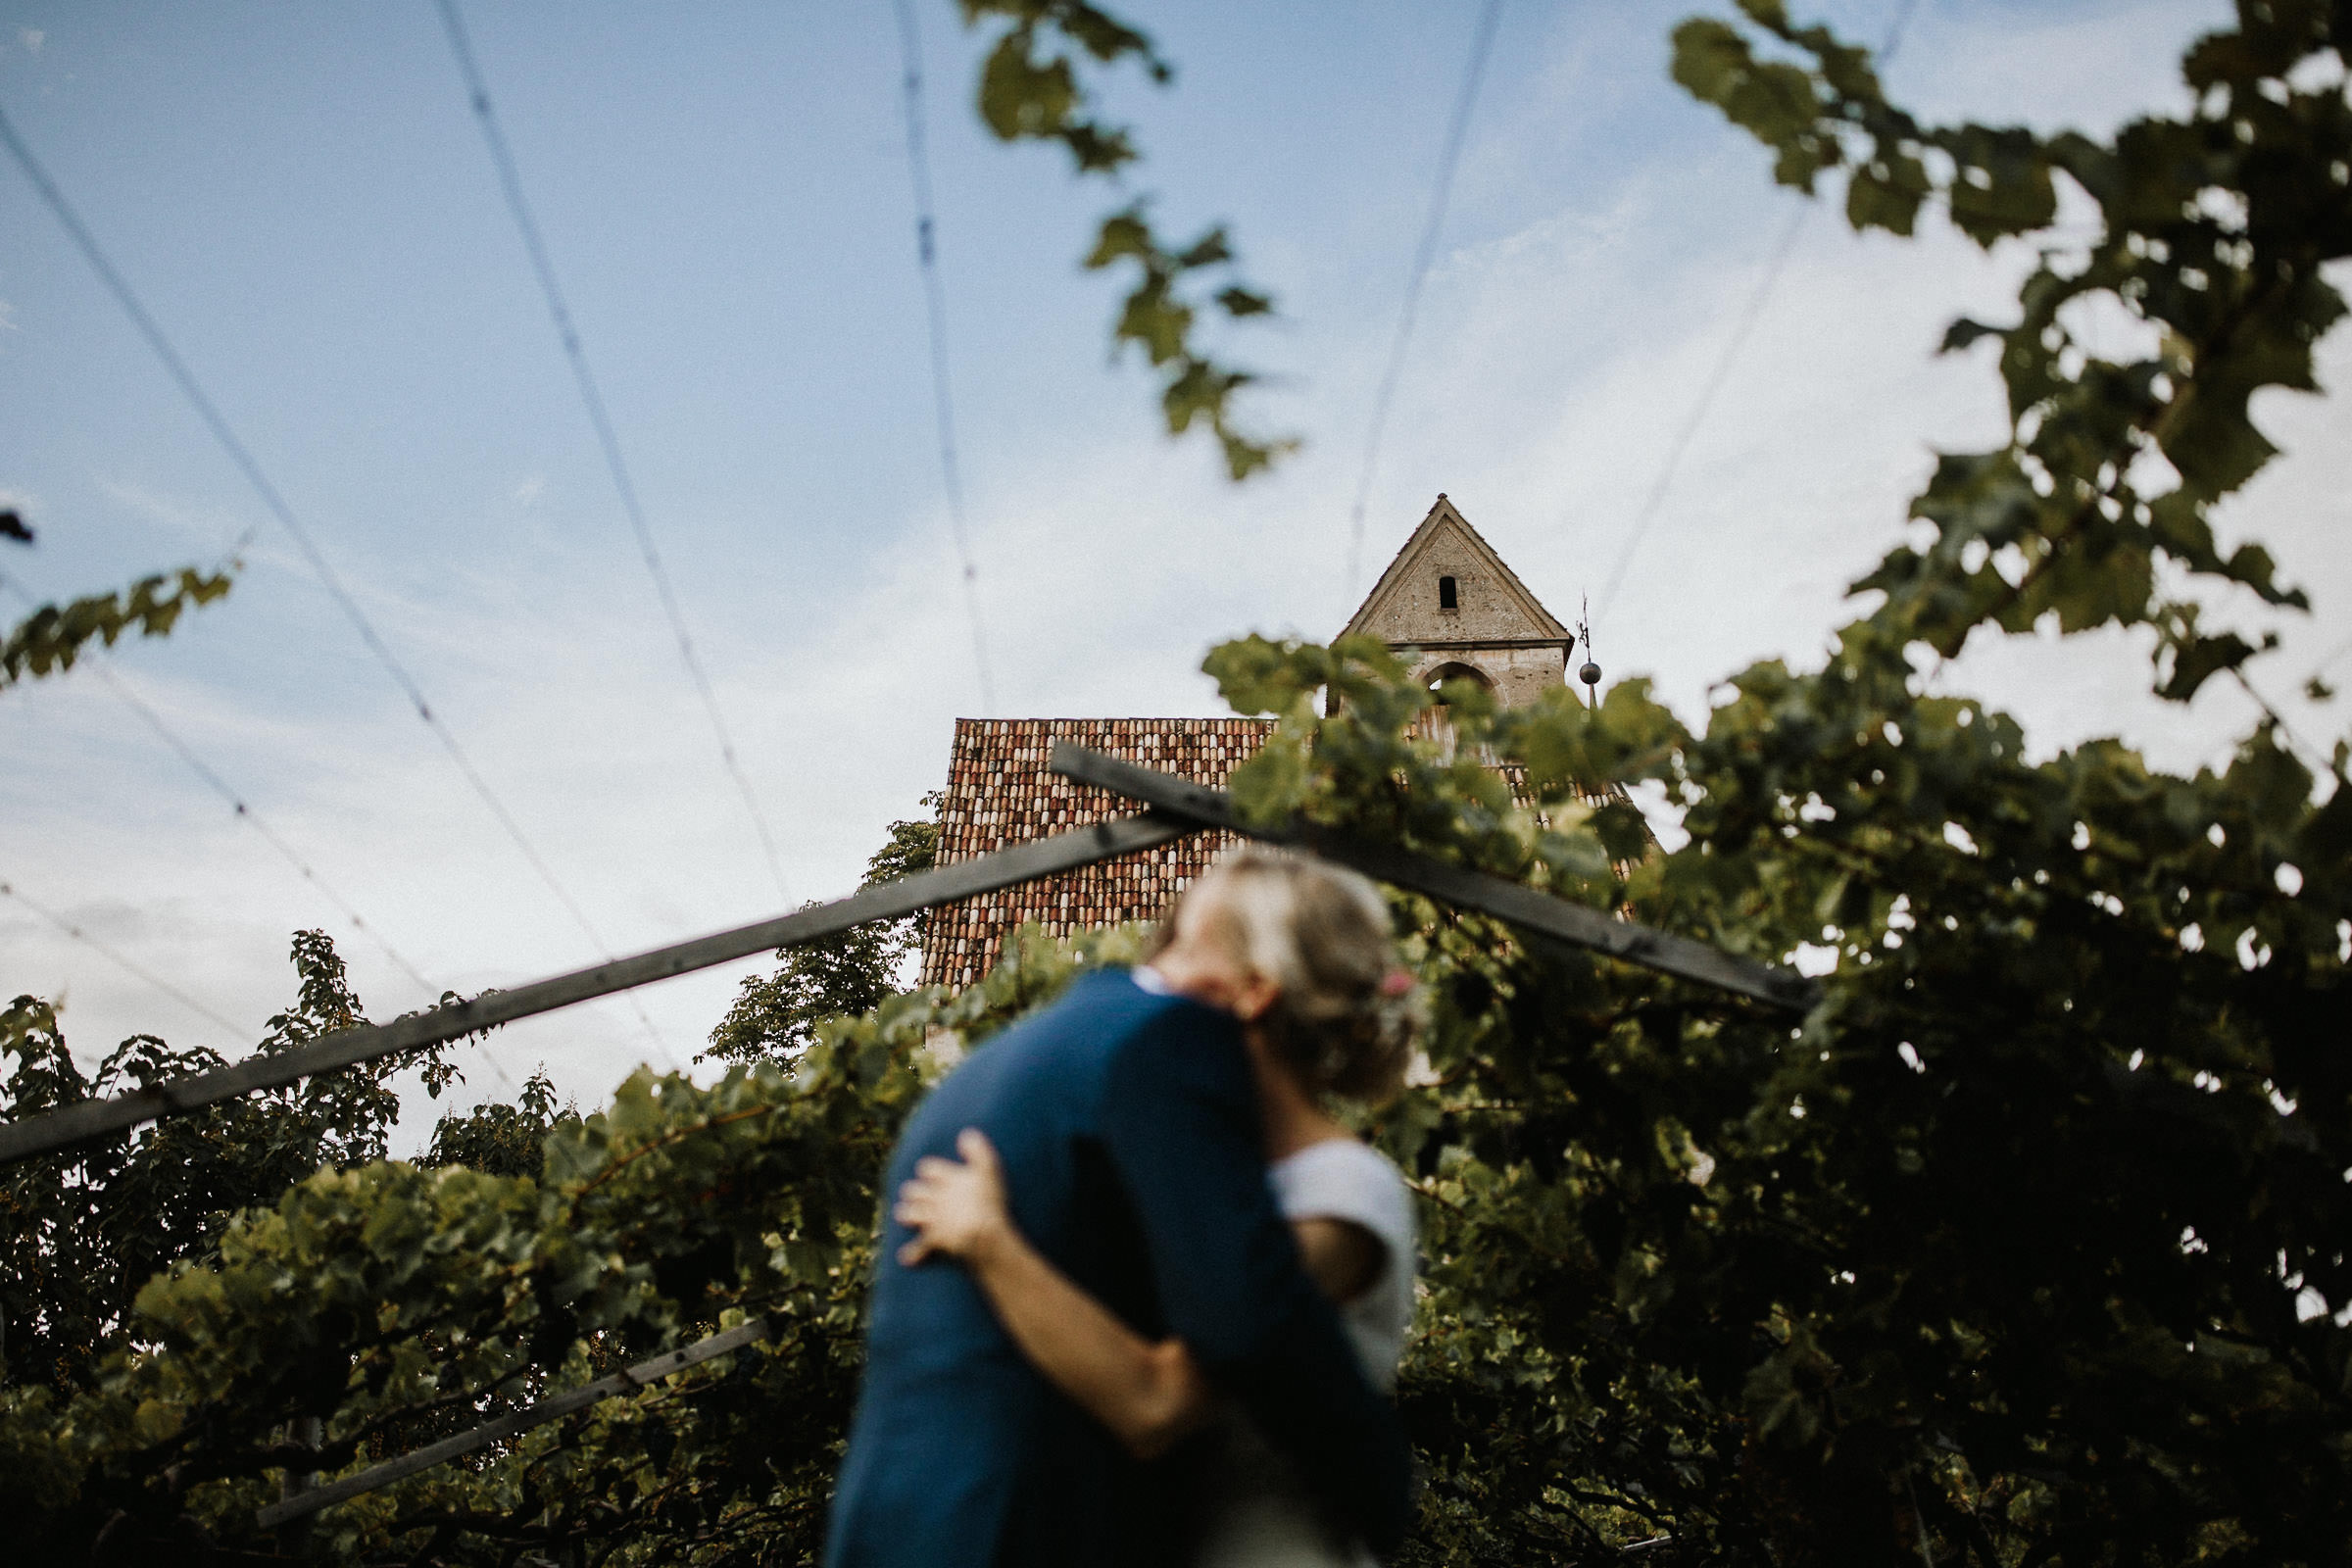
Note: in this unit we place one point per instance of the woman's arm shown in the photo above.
(1343, 1258)
(1148, 1394)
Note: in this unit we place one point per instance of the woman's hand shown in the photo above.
(1148, 1394)
(954, 1210)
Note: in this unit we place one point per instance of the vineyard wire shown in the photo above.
(1481, 45)
(209, 412)
(1767, 280)
(245, 814)
(943, 403)
(510, 179)
(8, 890)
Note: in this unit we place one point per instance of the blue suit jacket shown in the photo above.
(1129, 1130)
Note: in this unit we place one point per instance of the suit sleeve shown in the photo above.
(1181, 1126)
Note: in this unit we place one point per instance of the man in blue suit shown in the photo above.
(1127, 1123)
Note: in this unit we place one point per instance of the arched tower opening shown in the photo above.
(1464, 614)
(1453, 669)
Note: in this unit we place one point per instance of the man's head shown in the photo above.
(1299, 950)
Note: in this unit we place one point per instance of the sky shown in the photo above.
(303, 200)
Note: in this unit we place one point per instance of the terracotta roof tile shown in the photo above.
(1000, 794)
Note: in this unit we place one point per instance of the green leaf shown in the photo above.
(50, 639)
(1888, 196)
(1963, 332)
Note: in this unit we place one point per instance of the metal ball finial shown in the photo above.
(1589, 674)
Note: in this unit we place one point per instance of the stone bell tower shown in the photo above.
(1446, 595)
(1449, 595)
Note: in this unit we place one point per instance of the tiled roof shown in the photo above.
(999, 793)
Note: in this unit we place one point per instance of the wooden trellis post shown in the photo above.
(1178, 807)
(347, 1047)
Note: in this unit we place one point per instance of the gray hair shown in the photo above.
(1321, 933)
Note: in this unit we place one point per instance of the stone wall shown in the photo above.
(1518, 676)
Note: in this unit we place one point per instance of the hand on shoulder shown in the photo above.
(955, 1210)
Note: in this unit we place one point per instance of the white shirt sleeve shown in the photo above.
(1346, 1180)
(1343, 1179)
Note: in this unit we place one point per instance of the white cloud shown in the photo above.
(32, 38)
(1556, 356)
(209, 526)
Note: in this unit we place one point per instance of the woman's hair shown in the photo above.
(1345, 1022)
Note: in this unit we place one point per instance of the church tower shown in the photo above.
(1449, 596)
(1446, 595)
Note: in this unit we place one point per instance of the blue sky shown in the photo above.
(304, 201)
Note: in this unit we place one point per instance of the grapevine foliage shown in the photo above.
(1033, 86)
(2025, 1247)
(49, 640)
(385, 1305)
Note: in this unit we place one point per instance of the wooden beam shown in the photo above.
(1178, 807)
(1522, 907)
(346, 1048)
(511, 1423)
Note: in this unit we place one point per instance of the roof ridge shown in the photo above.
(1398, 557)
(1513, 578)
(1421, 531)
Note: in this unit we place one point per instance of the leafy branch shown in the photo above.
(2213, 230)
(52, 637)
(1031, 89)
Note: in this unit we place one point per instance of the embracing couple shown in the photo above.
(1139, 1297)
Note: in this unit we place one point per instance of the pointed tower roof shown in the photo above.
(1491, 605)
